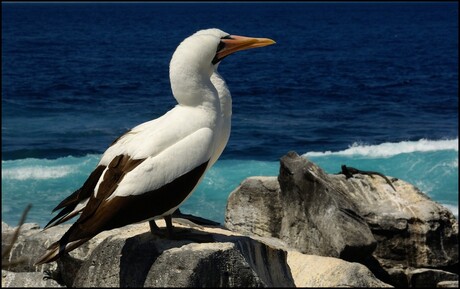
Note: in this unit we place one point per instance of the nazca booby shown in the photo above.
(148, 172)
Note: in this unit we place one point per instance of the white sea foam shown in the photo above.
(36, 172)
(391, 149)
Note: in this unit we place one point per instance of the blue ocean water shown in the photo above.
(370, 85)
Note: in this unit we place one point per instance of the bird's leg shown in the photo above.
(154, 229)
(169, 226)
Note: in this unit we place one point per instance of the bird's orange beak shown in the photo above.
(236, 43)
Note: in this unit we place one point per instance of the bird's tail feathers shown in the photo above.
(66, 214)
(61, 218)
(55, 250)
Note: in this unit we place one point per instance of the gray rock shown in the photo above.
(142, 260)
(330, 215)
(410, 228)
(257, 199)
(32, 243)
(307, 211)
(26, 279)
(398, 277)
(132, 257)
(447, 284)
(428, 278)
(208, 265)
(6, 227)
(317, 271)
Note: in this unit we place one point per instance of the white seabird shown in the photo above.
(148, 172)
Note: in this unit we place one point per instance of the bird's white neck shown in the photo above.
(193, 90)
(190, 78)
(225, 97)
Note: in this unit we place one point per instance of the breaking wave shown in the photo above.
(390, 149)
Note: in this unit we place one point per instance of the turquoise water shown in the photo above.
(432, 166)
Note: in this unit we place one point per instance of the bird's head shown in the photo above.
(219, 44)
(197, 57)
(229, 44)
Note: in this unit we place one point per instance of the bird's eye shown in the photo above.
(220, 46)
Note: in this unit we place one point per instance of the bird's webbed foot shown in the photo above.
(49, 274)
(53, 275)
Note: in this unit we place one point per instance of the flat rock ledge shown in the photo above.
(133, 257)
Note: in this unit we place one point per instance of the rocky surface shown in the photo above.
(27, 279)
(140, 259)
(363, 219)
(429, 278)
(447, 284)
(133, 257)
(305, 228)
(33, 241)
(326, 226)
(319, 271)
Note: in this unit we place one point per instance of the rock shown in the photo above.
(5, 227)
(397, 276)
(447, 284)
(32, 243)
(317, 271)
(208, 265)
(138, 259)
(26, 279)
(306, 210)
(410, 228)
(360, 219)
(131, 257)
(429, 278)
(256, 199)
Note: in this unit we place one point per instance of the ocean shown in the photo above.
(370, 85)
